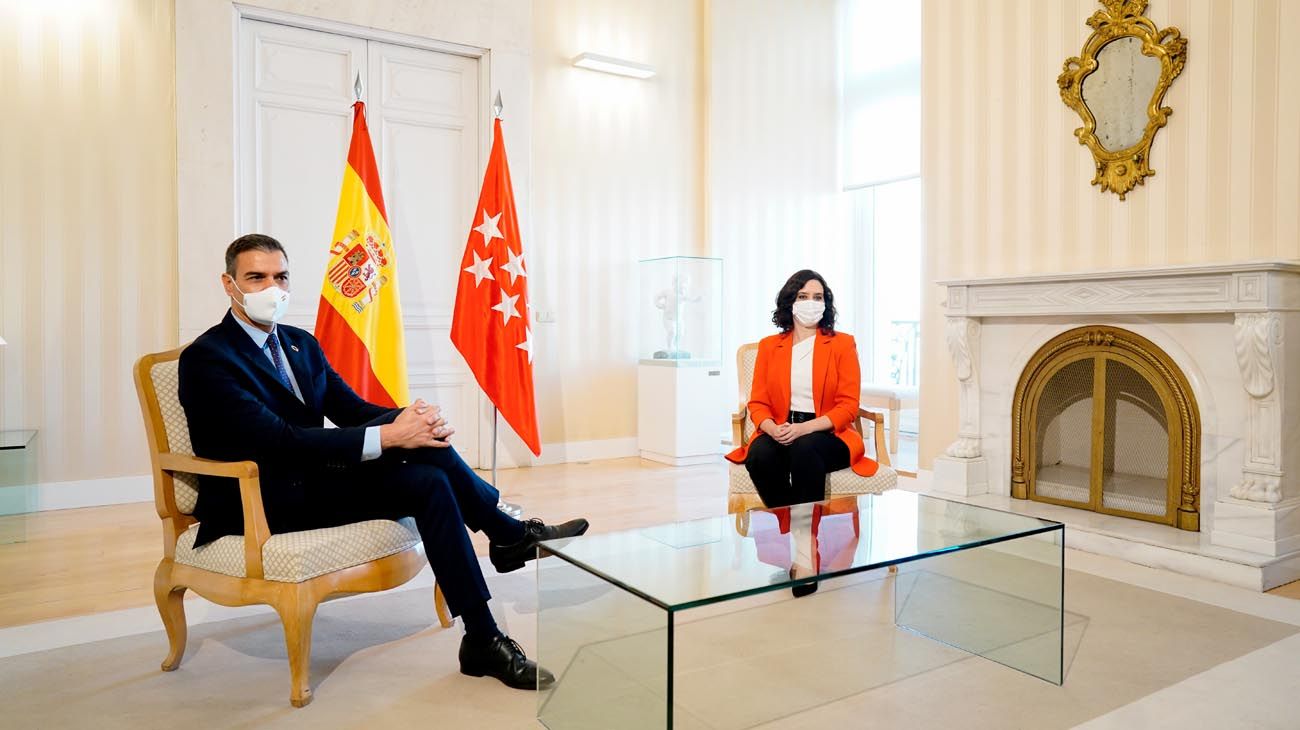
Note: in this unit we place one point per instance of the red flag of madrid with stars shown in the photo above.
(490, 325)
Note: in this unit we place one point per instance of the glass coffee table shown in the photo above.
(693, 624)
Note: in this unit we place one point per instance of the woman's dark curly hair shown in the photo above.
(783, 315)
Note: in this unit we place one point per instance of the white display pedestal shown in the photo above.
(680, 413)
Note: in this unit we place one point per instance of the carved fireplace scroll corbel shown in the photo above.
(1259, 341)
(964, 344)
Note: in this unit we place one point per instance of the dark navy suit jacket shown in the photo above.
(238, 409)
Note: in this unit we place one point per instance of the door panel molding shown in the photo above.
(292, 20)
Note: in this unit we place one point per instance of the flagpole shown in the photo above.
(509, 508)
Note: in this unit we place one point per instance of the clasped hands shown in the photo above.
(418, 425)
(785, 433)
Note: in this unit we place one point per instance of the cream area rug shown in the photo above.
(834, 659)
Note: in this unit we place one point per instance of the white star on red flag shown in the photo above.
(481, 269)
(489, 228)
(507, 307)
(515, 266)
(527, 344)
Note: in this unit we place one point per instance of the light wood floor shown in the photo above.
(76, 562)
(83, 561)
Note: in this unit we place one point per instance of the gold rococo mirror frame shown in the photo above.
(1121, 171)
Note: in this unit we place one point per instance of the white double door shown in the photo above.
(423, 108)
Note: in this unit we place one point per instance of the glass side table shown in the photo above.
(18, 482)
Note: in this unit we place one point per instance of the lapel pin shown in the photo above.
(293, 347)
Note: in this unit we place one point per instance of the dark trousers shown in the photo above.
(794, 474)
(434, 486)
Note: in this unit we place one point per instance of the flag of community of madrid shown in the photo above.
(359, 322)
(491, 325)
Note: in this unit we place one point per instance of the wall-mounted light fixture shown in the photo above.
(610, 65)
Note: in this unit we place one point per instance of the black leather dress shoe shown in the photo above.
(799, 591)
(807, 589)
(512, 557)
(502, 658)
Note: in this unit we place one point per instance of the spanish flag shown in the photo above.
(359, 323)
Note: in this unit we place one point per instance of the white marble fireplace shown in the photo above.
(1234, 332)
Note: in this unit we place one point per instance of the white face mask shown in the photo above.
(808, 312)
(265, 307)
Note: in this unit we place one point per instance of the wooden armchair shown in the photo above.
(741, 493)
(292, 572)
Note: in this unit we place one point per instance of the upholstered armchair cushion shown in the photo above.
(166, 381)
(838, 483)
(294, 557)
(746, 359)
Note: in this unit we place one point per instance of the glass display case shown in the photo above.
(18, 483)
(681, 310)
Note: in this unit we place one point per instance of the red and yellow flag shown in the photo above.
(359, 323)
(490, 325)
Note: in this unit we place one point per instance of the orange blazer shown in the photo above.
(837, 384)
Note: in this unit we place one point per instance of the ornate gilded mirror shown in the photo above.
(1116, 86)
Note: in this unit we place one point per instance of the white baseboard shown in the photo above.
(93, 492)
(681, 460)
(566, 452)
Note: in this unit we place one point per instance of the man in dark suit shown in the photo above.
(257, 390)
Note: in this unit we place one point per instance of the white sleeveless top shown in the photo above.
(801, 369)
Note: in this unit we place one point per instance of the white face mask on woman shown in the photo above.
(808, 312)
(265, 307)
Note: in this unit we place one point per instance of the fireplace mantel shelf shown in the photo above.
(1261, 286)
(1172, 270)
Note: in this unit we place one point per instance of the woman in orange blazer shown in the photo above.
(804, 399)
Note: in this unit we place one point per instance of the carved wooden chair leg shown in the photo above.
(171, 607)
(297, 609)
(440, 605)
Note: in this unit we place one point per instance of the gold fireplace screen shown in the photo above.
(1103, 420)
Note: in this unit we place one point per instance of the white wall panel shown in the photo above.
(87, 225)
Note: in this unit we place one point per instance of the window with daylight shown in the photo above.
(887, 236)
(880, 71)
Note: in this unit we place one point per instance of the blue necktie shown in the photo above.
(273, 344)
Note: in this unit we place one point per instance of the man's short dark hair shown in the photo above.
(251, 242)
